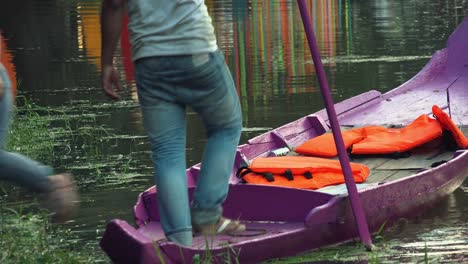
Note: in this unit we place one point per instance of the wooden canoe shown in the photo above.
(294, 220)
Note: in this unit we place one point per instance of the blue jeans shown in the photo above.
(14, 167)
(166, 86)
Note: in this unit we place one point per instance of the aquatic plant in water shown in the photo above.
(30, 135)
(30, 238)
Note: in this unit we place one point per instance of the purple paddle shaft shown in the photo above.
(344, 160)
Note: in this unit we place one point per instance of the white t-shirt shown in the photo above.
(170, 27)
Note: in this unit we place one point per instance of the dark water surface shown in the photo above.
(54, 49)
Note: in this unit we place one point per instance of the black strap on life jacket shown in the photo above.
(268, 176)
(244, 170)
(289, 175)
(308, 175)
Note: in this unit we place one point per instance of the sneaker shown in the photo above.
(224, 226)
(63, 199)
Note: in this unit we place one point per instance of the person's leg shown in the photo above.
(62, 198)
(14, 167)
(164, 121)
(216, 100)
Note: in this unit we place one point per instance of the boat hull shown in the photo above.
(385, 203)
(294, 220)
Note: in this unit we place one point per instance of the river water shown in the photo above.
(53, 49)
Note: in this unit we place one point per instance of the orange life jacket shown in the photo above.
(380, 140)
(324, 145)
(299, 172)
(448, 125)
(376, 139)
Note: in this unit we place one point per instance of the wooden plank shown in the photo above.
(371, 162)
(379, 176)
(416, 160)
(400, 174)
(351, 103)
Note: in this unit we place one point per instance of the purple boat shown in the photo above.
(287, 221)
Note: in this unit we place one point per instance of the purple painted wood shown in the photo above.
(457, 55)
(385, 203)
(342, 108)
(289, 135)
(297, 220)
(244, 202)
(446, 72)
(139, 211)
(128, 245)
(417, 95)
(359, 215)
(458, 99)
(326, 213)
(307, 125)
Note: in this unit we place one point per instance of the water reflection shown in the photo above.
(53, 49)
(89, 32)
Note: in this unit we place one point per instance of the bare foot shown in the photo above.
(63, 199)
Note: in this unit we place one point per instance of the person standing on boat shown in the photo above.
(61, 196)
(178, 64)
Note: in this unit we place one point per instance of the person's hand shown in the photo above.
(110, 81)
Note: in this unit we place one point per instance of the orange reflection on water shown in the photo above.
(89, 31)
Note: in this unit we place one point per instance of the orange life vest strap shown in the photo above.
(299, 172)
(449, 125)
